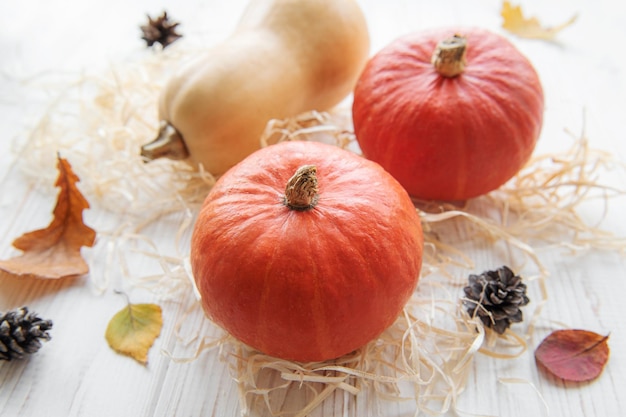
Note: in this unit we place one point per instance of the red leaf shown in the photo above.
(573, 355)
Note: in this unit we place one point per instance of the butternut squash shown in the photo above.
(285, 57)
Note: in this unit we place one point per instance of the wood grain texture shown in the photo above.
(76, 374)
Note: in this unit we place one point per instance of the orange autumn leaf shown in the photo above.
(54, 252)
(573, 355)
(528, 27)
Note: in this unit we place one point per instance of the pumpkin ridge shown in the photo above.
(342, 238)
(245, 224)
(494, 53)
(493, 104)
(401, 114)
(319, 313)
(265, 320)
(300, 222)
(263, 327)
(348, 249)
(508, 110)
(361, 251)
(398, 108)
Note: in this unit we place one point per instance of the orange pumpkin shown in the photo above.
(305, 251)
(451, 113)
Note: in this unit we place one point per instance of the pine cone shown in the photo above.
(160, 30)
(20, 333)
(496, 297)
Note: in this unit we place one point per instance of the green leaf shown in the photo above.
(133, 330)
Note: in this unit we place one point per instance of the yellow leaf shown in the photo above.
(133, 330)
(515, 22)
(54, 252)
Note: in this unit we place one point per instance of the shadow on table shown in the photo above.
(16, 291)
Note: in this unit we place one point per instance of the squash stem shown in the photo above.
(449, 56)
(301, 192)
(168, 144)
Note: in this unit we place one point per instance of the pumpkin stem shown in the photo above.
(301, 192)
(169, 144)
(449, 56)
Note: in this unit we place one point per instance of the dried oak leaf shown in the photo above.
(133, 330)
(54, 252)
(515, 22)
(573, 355)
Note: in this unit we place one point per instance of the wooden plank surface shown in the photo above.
(50, 47)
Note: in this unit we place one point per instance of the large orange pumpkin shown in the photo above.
(305, 251)
(450, 113)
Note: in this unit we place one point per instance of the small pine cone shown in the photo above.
(20, 333)
(160, 30)
(496, 297)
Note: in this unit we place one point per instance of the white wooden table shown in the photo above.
(47, 48)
